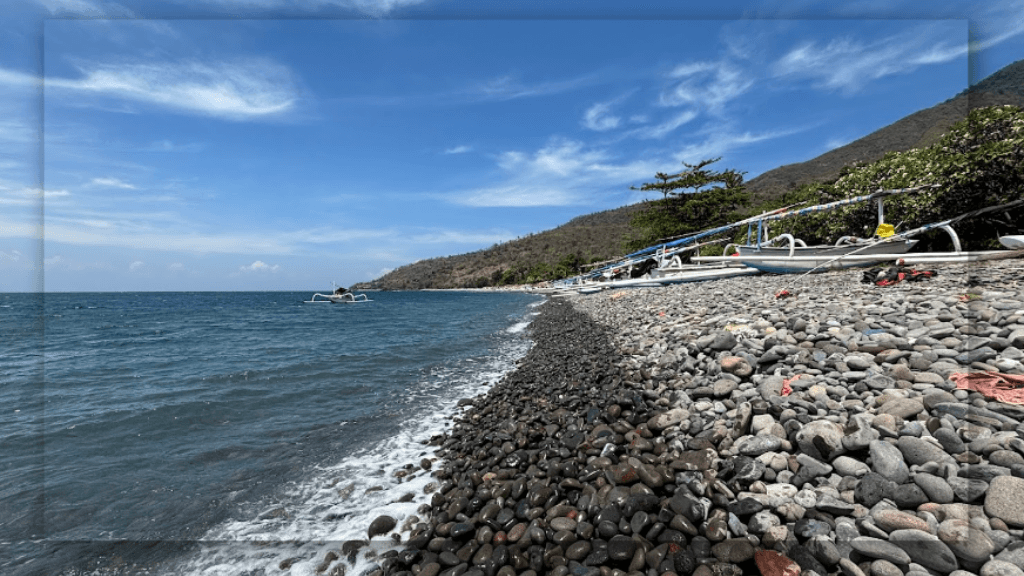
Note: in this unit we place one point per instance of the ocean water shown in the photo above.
(228, 433)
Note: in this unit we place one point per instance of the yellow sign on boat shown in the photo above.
(885, 230)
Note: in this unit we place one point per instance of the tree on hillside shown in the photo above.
(694, 199)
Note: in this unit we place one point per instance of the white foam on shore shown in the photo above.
(337, 503)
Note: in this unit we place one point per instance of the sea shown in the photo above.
(230, 433)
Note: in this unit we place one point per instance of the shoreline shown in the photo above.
(656, 439)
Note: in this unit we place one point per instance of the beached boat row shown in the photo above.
(678, 261)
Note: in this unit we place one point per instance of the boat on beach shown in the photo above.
(886, 246)
(340, 295)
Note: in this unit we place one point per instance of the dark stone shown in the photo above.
(381, 525)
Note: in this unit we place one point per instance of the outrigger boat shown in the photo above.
(340, 295)
(889, 246)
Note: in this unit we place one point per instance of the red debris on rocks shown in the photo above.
(771, 563)
(783, 294)
(1006, 388)
(786, 388)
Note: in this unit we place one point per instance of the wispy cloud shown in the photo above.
(599, 118)
(260, 266)
(376, 8)
(562, 173)
(136, 265)
(170, 146)
(13, 256)
(112, 183)
(84, 9)
(720, 142)
(707, 85)
(509, 87)
(665, 128)
(847, 64)
(232, 90)
(458, 150)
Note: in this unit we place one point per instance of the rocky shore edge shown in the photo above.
(714, 429)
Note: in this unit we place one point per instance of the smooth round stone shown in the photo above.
(919, 451)
(733, 550)
(965, 541)
(890, 520)
(885, 568)
(937, 489)
(905, 408)
(824, 550)
(621, 548)
(878, 548)
(846, 466)
(1004, 500)
(578, 550)
(949, 440)
(562, 524)
(381, 525)
(925, 549)
(887, 461)
(1000, 568)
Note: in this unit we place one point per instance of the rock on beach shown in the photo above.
(646, 433)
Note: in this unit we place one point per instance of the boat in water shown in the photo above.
(340, 295)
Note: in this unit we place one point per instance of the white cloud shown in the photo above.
(706, 85)
(170, 146)
(848, 64)
(376, 8)
(233, 90)
(176, 266)
(135, 265)
(598, 117)
(84, 9)
(666, 127)
(15, 255)
(52, 261)
(722, 141)
(259, 266)
(509, 87)
(30, 196)
(112, 183)
(562, 173)
(459, 150)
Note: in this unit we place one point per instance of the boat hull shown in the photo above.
(777, 260)
(693, 274)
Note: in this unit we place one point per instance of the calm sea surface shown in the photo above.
(224, 433)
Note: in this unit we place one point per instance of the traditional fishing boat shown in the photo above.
(889, 246)
(340, 295)
(785, 254)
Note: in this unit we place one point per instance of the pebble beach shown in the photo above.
(715, 429)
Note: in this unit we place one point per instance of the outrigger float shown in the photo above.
(340, 295)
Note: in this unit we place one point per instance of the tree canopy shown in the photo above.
(692, 200)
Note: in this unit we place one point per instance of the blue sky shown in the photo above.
(276, 145)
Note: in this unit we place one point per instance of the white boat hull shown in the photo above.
(681, 276)
(778, 260)
(1012, 242)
